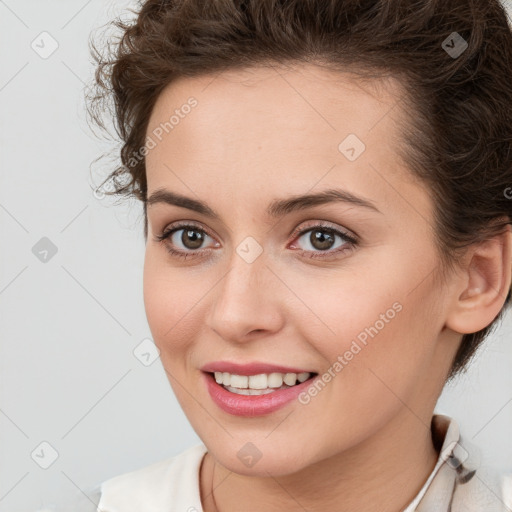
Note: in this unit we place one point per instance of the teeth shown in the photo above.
(249, 391)
(261, 381)
(238, 381)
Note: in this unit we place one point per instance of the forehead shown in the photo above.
(316, 94)
(282, 129)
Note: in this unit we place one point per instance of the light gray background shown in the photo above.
(69, 326)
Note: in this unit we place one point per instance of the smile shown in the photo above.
(255, 395)
(260, 384)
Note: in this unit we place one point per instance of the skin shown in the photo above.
(363, 442)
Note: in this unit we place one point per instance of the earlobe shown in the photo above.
(481, 289)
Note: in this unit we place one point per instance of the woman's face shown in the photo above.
(283, 286)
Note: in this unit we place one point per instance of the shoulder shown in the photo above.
(506, 486)
(464, 478)
(489, 490)
(83, 501)
(172, 482)
(479, 484)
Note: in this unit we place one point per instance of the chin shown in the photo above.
(259, 458)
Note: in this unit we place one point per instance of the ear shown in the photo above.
(482, 287)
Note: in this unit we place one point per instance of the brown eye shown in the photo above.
(191, 239)
(184, 240)
(321, 241)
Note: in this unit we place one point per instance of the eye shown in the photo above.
(186, 240)
(187, 237)
(321, 240)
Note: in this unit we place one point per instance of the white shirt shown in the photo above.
(458, 482)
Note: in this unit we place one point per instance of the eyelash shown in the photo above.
(351, 242)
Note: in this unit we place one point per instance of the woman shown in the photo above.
(326, 193)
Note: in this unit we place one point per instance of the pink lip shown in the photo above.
(252, 405)
(249, 368)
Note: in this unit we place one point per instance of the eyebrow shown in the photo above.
(277, 208)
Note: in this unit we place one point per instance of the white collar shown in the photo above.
(455, 485)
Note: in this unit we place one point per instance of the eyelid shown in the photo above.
(176, 226)
(351, 241)
(180, 253)
(351, 235)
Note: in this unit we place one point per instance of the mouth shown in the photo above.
(255, 395)
(260, 384)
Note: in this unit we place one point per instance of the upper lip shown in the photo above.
(253, 368)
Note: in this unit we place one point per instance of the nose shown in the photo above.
(246, 303)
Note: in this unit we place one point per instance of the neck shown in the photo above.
(382, 474)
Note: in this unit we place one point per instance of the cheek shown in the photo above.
(172, 318)
(375, 342)
(336, 310)
(169, 302)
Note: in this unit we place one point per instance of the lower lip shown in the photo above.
(253, 405)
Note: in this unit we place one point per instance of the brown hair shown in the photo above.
(458, 140)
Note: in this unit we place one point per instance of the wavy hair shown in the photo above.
(453, 59)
